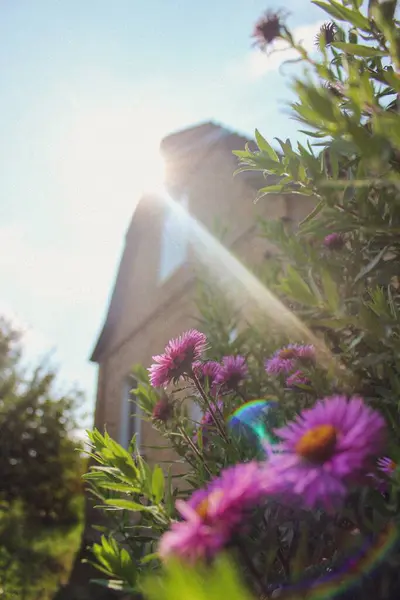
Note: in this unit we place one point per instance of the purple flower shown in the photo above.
(305, 353)
(178, 357)
(162, 410)
(387, 465)
(334, 241)
(232, 371)
(286, 359)
(206, 372)
(296, 379)
(268, 28)
(214, 514)
(326, 449)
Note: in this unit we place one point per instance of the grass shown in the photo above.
(35, 560)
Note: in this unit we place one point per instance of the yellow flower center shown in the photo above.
(203, 506)
(317, 444)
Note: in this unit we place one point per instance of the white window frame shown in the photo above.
(131, 416)
(174, 240)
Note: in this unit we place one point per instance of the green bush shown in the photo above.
(41, 468)
(335, 279)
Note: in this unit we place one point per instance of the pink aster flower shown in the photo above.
(232, 371)
(206, 372)
(296, 379)
(334, 241)
(214, 514)
(286, 359)
(326, 449)
(387, 465)
(178, 358)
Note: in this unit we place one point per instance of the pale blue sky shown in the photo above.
(88, 89)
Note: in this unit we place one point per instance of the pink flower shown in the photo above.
(178, 358)
(214, 514)
(206, 372)
(334, 241)
(285, 360)
(326, 449)
(232, 371)
(296, 379)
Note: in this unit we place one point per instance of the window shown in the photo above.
(130, 416)
(196, 414)
(233, 335)
(174, 240)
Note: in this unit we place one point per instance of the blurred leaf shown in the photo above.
(158, 484)
(128, 505)
(265, 146)
(371, 265)
(342, 13)
(359, 49)
(330, 291)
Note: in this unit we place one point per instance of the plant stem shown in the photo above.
(208, 405)
(195, 450)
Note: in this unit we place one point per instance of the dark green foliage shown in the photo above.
(41, 491)
(39, 462)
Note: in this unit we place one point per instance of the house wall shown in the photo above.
(151, 313)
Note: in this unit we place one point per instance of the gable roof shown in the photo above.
(201, 137)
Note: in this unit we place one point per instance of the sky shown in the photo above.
(88, 90)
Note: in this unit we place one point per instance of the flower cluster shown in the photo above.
(181, 359)
(287, 361)
(322, 454)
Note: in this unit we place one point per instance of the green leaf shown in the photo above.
(295, 287)
(330, 291)
(371, 265)
(185, 582)
(128, 505)
(344, 14)
(158, 484)
(265, 146)
(149, 557)
(359, 49)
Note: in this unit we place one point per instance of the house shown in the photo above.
(153, 296)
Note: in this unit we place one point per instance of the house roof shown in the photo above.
(201, 137)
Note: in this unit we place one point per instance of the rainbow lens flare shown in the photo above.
(253, 416)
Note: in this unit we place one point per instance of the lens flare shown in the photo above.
(253, 416)
(371, 554)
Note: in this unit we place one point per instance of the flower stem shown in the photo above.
(208, 405)
(195, 450)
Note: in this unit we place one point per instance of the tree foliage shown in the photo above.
(39, 462)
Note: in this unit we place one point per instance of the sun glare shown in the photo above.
(107, 161)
